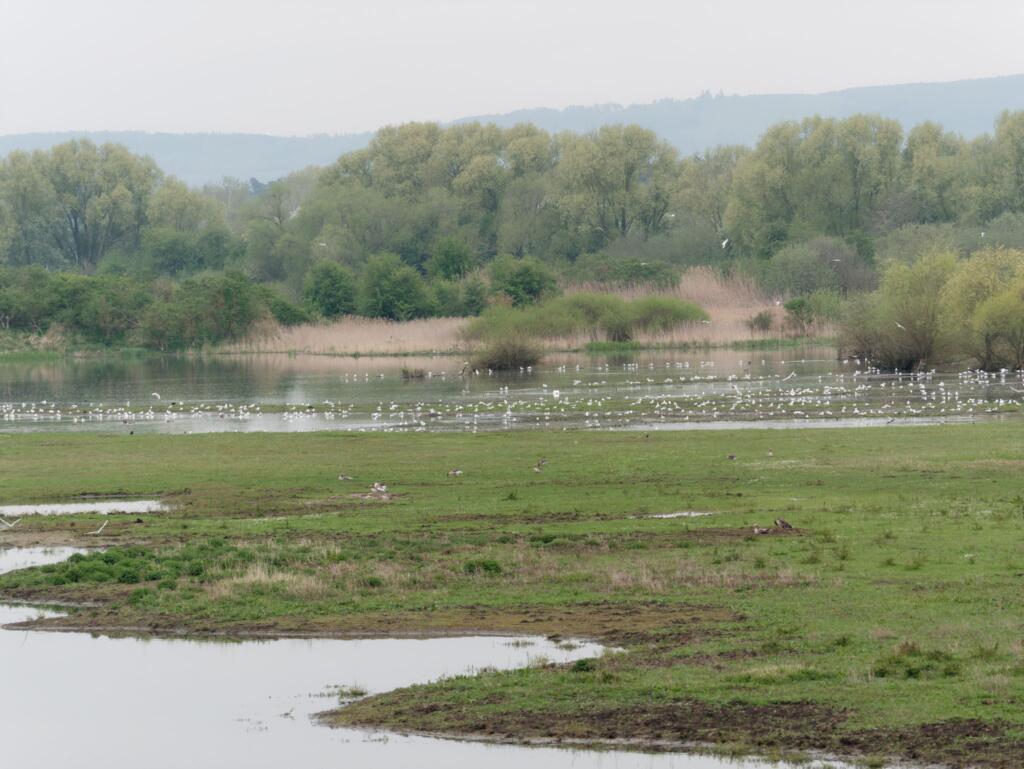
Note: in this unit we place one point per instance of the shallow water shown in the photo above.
(71, 699)
(14, 558)
(101, 507)
(664, 390)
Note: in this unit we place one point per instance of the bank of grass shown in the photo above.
(886, 622)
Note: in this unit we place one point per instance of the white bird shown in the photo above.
(8, 524)
(379, 488)
(900, 326)
(156, 395)
(101, 528)
(725, 243)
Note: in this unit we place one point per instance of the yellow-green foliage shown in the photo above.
(940, 309)
(602, 316)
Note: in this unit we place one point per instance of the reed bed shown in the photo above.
(356, 336)
(729, 300)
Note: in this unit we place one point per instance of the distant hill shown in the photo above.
(968, 107)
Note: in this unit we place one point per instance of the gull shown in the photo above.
(725, 243)
(101, 528)
(379, 487)
(8, 524)
(156, 395)
(900, 325)
(344, 477)
(454, 473)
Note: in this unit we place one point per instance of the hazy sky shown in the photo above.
(334, 66)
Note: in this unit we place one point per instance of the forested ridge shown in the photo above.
(429, 220)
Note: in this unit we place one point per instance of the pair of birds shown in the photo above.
(781, 524)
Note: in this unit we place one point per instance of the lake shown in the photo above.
(798, 387)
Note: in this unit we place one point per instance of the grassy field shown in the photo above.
(889, 621)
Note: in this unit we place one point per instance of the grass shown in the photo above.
(886, 622)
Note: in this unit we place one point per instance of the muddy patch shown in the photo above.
(784, 726)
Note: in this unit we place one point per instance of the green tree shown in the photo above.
(329, 290)
(389, 288)
(101, 195)
(616, 179)
(451, 259)
(523, 281)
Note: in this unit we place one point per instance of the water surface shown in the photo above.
(72, 699)
(100, 507)
(667, 390)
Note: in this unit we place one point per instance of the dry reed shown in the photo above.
(356, 336)
(729, 300)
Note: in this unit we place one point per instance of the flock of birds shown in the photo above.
(667, 394)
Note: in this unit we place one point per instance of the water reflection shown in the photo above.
(668, 390)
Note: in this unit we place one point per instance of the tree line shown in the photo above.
(430, 220)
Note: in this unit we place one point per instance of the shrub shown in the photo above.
(283, 311)
(761, 321)
(447, 298)
(593, 313)
(664, 313)
(508, 353)
(474, 295)
(391, 289)
(523, 281)
(450, 259)
(329, 290)
(821, 264)
(900, 325)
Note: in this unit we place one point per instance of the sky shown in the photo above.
(297, 67)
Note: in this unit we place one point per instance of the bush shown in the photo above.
(592, 313)
(664, 313)
(523, 281)
(329, 290)
(821, 264)
(451, 259)
(391, 289)
(283, 311)
(202, 310)
(761, 321)
(900, 326)
(508, 353)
